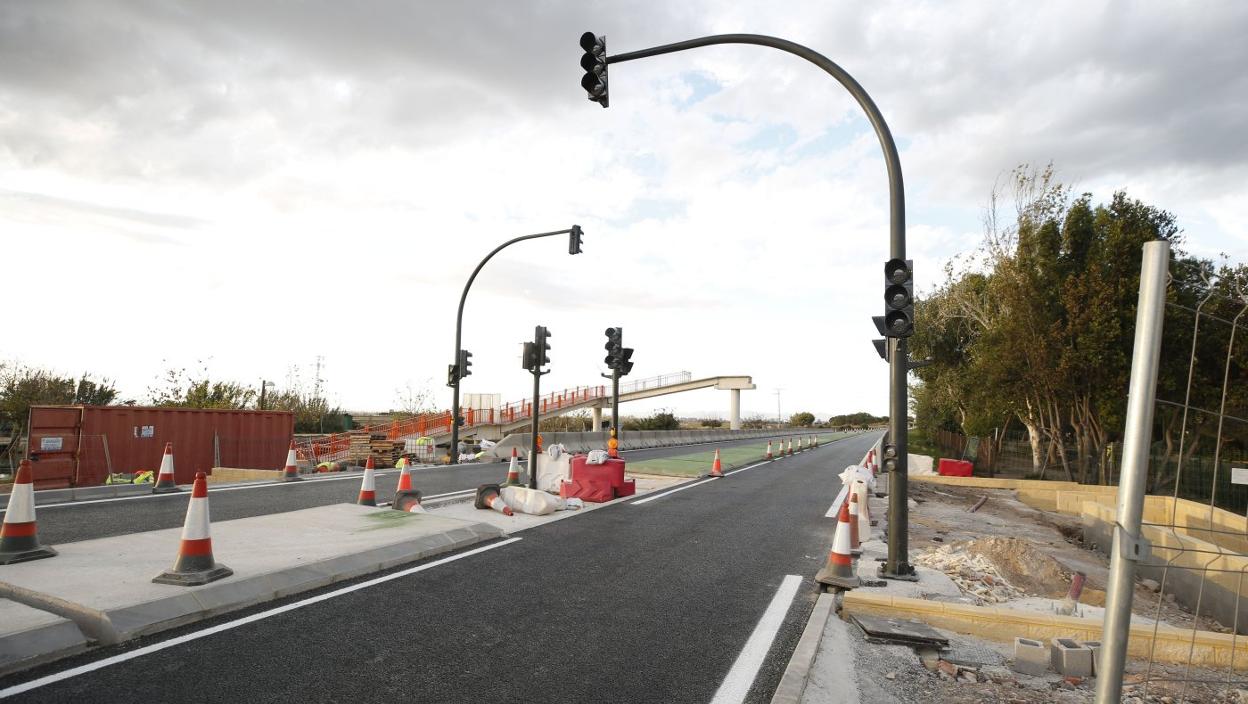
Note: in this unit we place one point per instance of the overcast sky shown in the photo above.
(255, 185)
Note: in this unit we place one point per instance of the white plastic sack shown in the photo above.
(852, 474)
(538, 503)
(597, 457)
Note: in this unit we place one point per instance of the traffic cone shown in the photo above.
(801, 444)
(717, 470)
(839, 570)
(164, 479)
(814, 441)
(513, 470)
(291, 473)
(195, 565)
(368, 487)
(866, 461)
(855, 548)
(407, 500)
(19, 541)
(790, 447)
(405, 479)
(769, 450)
(488, 496)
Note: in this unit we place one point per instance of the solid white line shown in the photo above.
(760, 464)
(130, 655)
(741, 677)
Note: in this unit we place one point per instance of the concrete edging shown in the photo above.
(797, 674)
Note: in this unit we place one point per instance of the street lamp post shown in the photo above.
(596, 61)
(453, 378)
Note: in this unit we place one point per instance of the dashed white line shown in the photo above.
(741, 676)
(140, 652)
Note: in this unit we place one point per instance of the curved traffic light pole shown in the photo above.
(898, 565)
(576, 233)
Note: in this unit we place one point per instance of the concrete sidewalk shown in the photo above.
(104, 586)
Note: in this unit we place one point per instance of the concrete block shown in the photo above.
(1068, 657)
(1095, 647)
(1030, 657)
(29, 636)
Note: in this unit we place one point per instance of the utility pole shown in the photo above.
(779, 415)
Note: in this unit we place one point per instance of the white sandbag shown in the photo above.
(538, 503)
(852, 474)
(597, 457)
(553, 471)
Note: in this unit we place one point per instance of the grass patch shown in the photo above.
(695, 464)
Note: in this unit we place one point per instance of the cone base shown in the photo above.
(165, 489)
(713, 476)
(292, 478)
(906, 577)
(366, 502)
(192, 579)
(826, 577)
(8, 558)
(510, 482)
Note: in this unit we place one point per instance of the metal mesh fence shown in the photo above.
(1186, 638)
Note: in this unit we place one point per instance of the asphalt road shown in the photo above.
(83, 520)
(636, 602)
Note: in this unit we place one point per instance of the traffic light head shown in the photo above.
(615, 338)
(898, 299)
(541, 343)
(624, 364)
(528, 358)
(574, 240)
(594, 61)
(465, 363)
(452, 379)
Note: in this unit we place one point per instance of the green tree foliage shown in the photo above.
(180, 389)
(860, 419)
(24, 386)
(711, 423)
(802, 419)
(1038, 329)
(661, 420)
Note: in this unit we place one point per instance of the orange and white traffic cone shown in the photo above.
(195, 564)
(291, 473)
(405, 479)
(513, 470)
(866, 461)
(717, 470)
(839, 570)
(790, 447)
(488, 496)
(368, 487)
(855, 548)
(814, 441)
(164, 479)
(801, 444)
(769, 450)
(19, 541)
(408, 501)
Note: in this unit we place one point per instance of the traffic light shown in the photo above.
(452, 379)
(898, 318)
(594, 61)
(574, 240)
(625, 366)
(615, 341)
(541, 345)
(465, 363)
(890, 457)
(529, 356)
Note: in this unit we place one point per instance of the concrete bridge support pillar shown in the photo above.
(734, 409)
(597, 426)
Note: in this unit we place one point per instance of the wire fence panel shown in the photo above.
(1189, 626)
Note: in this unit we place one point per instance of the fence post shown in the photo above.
(1127, 547)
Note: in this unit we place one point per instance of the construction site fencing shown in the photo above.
(1181, 514)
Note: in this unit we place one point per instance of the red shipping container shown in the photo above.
(954, 468)
(80, 445)
(596, 491)
(611, 471)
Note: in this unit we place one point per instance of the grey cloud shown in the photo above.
(34, 204)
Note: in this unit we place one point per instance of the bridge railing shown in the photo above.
(656, 382)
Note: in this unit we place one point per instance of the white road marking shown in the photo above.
(690, 485)
(741, 676)
(130, 655)
(760, 464)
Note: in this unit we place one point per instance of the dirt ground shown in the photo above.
(941, 519)
(1035, 554)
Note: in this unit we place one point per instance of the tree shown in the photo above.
(802, 419)
(179, 389)
(711, 423)
(23, 386)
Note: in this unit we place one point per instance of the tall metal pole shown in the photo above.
(537, 392)
(1141, 400)
(898, 564)
(615, 405)
(459, 329)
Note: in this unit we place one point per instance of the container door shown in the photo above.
(54, 434)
